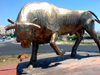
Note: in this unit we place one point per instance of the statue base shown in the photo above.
(84, 63)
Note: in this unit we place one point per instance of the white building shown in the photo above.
(3, 31)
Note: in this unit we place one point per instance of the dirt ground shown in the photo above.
(10, 59)
(7, 60)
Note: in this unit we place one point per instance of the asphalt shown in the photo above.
(11, 47)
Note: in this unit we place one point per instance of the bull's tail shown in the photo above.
(97, 19)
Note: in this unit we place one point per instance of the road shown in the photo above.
(11, 47)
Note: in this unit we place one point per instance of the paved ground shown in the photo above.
(50, 64)
(11, 48)
(8, 70)
(84, 64)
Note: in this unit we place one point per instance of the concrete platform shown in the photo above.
(50, 64)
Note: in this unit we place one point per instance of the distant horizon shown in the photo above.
(11, 8)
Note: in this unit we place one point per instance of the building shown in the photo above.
(4, 32)
(2, 29)
(10, 32)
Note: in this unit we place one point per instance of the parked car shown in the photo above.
(8, 38)
(2, 38)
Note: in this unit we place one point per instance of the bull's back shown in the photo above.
(50, 16)
(70, 20)
(35, 9)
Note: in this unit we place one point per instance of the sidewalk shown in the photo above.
(8, 70)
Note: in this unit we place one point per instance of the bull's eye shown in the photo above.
(24, 40)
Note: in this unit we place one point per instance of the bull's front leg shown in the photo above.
(33, 58)
(53, 45)
(93, 34)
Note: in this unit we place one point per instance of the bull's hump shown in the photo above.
(64, 11)
(38, 5)
(32, 7)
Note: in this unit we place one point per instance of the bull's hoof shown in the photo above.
(61, 52)
(30, 67)
(73, 54)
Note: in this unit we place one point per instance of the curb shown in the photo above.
(9, 70)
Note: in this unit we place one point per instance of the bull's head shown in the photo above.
(24, 31)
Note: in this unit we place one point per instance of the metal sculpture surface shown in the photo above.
(43, 22)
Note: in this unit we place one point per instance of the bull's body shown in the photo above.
(53, 22)
(51, 19)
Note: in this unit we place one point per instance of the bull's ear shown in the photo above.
(11, 26)
(35, 19)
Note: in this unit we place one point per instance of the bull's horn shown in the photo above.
(11, 26)
(11, 21)
(36, 26)
(33, 25)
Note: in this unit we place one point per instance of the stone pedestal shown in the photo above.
(50, 64)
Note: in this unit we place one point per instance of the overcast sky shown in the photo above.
(11, 8)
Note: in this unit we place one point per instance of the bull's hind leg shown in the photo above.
(79, 38)
(53, 45)
(91, 32)
(33, 58)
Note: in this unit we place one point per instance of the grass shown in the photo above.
(6, 60)
(88, 43)
(60, 40)
(66, 41)
(72, 42)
